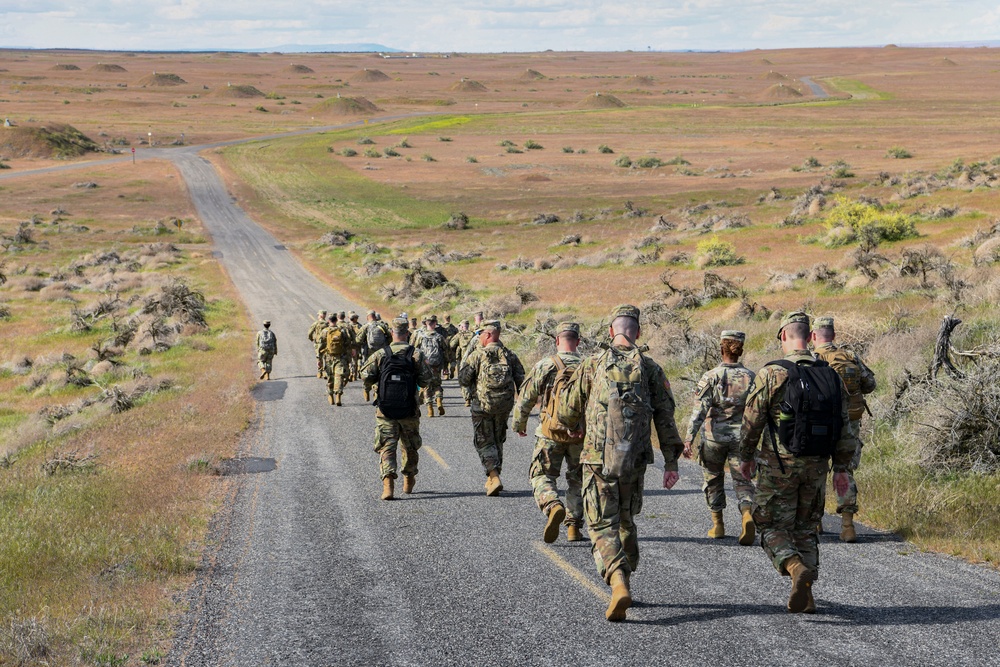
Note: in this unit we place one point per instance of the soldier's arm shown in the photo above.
(868, 381)
(847, 444)
(516, 369)
(528, 396)
(755, 416)
(369, 372)
(662, 399)
(702, 404)
(573, 401)
(467, 372)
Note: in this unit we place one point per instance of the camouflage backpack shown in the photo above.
(495, 387)
(336, 341)
(845, 363)
(432, 345)
(268, 342)
(377, 335)
(629, 414)
(551, 427)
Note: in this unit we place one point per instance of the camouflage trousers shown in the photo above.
(788, 506)
(546, 464)
(452, 369)
(611, 506)
(849, 501)
(391, 434)
(434, 389)
(489, 435)
(353, 367)
(264, 358)
(320, 362)
(336, 374)
(713, 457)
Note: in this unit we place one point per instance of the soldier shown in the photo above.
(267, 349)
(477, 330)
(859, 380)
(314, 335)
(354, 327)
(494, 375)
(457, 345)
(553, 442)
(719, 399)
(399, 369)
(449, 331)
(433, 346)
(373, 336)
(336, 351)
(415, 331)
(791, 488)
(616, 395)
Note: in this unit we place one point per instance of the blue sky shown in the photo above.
(481, 26)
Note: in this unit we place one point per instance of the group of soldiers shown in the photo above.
(597, 414)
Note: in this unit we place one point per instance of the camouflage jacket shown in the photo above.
(468, 374)
(370, 371)
(449, 330)
(315, 329)
(458, 343)
(536, 385)
(361, 339)
(719, 398)
(865, 384)
(260, 341)
(587, 400)
(473, 344)
(764, 402)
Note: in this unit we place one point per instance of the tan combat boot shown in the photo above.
(262, 374)
(267, 375)
(468, 402)
(718, 530)
(573, 534)
(319, 374)
(749, 529)
(847, 532)
(329, 397)
(493, 484)
(440, 403)
(388, 484)
(802, 578)
(430, 409)
(338, 400)
(556, 514)
(367, 396)
(409, 482)
(810, 603)
(621, 598)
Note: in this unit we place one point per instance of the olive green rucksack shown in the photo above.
(627, 441)
(551, 427)
(336, 344)
(495, 386)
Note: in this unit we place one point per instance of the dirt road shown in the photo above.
(307, 566)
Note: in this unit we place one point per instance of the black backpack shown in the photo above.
(397, 384)
(811, 420)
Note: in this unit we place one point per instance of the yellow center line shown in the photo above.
(572, 571)
(437, 457)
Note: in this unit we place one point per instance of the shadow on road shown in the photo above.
(441, 495)
(271, 390)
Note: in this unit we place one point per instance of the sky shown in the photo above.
(491, 26)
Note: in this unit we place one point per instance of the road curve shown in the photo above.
(815, 87)
(305, 566)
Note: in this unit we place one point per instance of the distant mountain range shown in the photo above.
(326, 48)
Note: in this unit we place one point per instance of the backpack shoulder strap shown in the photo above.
(559, 363)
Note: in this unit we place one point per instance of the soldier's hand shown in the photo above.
(688, 448)
(748, 468)
(522, 433)
(670, 478)
(841, 483)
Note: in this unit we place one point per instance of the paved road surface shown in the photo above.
(308, 567)
(816, 88)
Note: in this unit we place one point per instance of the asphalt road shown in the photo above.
(306, 566)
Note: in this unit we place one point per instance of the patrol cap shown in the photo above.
(491, 325)
(352, 315)
(823, 322)
(731, 334)
(432, 318)
(372, 312)
(568, 328)
(267, 323)
(400, 325)
(625, 310)
(321, 313)
(798, 317)
(342, 315)
(464, 323)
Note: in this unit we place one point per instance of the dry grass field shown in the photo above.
(716, 190)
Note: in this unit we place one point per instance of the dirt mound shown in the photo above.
(531, 75)
(160, 79)
(765, 61)
(601, 101)
(300, 69)
(781, 91)
(65, 67)
(345, 106)
(241, 92)
(44, 141)
(775, 76)
(945, 62)
(370, 76)
(468, 86)
(107, 67)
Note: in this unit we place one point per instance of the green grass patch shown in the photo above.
(856, 89)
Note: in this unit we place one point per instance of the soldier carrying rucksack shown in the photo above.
(267, 349)
(373, 336)
(435, 350)
(336, 353)
(493, 374)
(554, 442)
(800, 406)
(858, 380)
(398, 370)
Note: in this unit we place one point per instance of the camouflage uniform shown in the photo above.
(362, 337)
(490, 430)
(457, 345)
(356, 360)
(390, 433)
(449, 331)
(612, 503)
(337, 366)
(788, 503)
(719, 399)
(433, 389)
(547, 460)
(827, 352)
(314, 335)
(265, 355)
